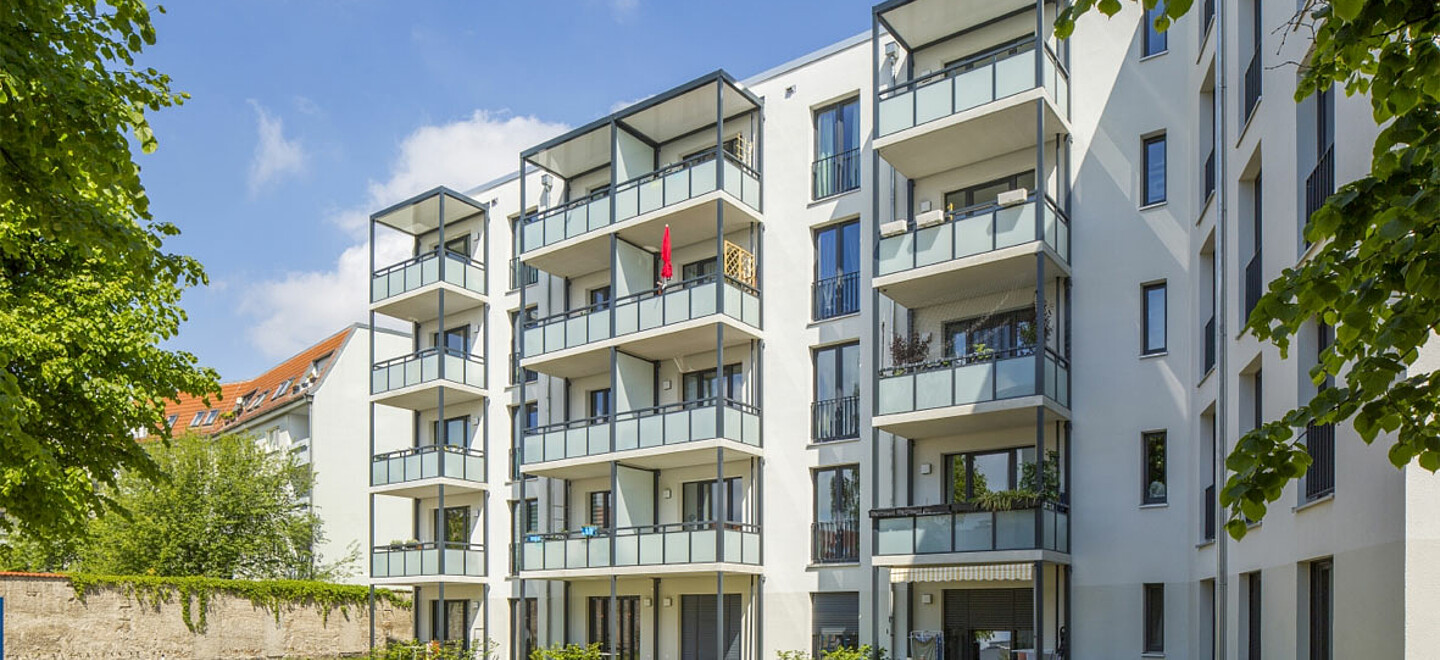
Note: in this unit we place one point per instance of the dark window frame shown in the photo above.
(734, 487)
(599, 502)
(1253, 615)
(599, 404)
(1012, 181)
(1013, 471)
(1154, 42)
(1145, 327)
(1147, 196)
(840, 138)
(1322, 623)
(852, 517)
(1153, 620)
(1011, 322)
(1147, 445)
(734, 384)
(843, 277)
(436, 426)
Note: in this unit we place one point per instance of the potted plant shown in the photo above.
(909, 350)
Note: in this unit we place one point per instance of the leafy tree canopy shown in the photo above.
(87, 292)
(1375, 273)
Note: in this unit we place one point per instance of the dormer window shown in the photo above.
(210, 418)
(283, 389)
(198, 418)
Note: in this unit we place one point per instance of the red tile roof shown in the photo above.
(245, 400)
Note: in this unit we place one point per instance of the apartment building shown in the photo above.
(946, 362)
(312, 406)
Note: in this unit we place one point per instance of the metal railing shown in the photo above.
(1320, 185)
(1000, 72)
(424, 559)
(689, 299)
(835, 419)
(1254, 287)
(1320, 476)
(645, 545)
(974, 378)
(427, 365)
(975, 230)
(1252, 83)
(836, 296)
(423, 270)
(522, 274)
(642, 428)
(427, 462)
(1208, 183)
(835, 174)
(1207, 505)
(1209, 338)
(835, 542)
(966, 528)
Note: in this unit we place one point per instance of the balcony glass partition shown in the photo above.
(649, 545)
(973, 82)
(975, 230)
(424, 270)
(975, 378)
(418, 463)
(671, 424)
(689, 299)
(423, 559)
(426, 366)
(965, 528)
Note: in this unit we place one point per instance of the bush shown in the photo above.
(568, 652)
(417, 650)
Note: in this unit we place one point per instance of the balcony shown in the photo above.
(835, 419)
(835, 174)
(688, 547)
(660, 437)
(678, 321)
(424, 560)
(417, 471)
(409, 381)
(926, 399)
(958, 528)
(836, 296)
(972, 110)
(836, 542)
(928, 262)
(410, 290)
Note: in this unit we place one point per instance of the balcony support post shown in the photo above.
(1040, 344)
(440, 250)
(609, 522)
(720, 150)
(720, 257)
(442, 534)
(719, 614)
(721, 383)
(655, 617)
(614, 606)
(718, 506)
(614, 387)
(757, 474)
(415, 623)
(1039, 599)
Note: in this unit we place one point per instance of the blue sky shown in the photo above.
(306, 115)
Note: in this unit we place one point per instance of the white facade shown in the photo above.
(945, 248)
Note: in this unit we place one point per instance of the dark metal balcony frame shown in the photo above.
(611, 420)
(835, 419)
(955, 510)
(664, 530)
(442, 450)
(437, 253)
(422, 546)
(1062, 248)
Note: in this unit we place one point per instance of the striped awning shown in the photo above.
(986, 572)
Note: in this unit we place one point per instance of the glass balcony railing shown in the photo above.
(424, 560)
(660, 426)
(427, 462)
(690, 299)
(426, 366)
(672, 184)
(973, 378)
(649, 545)
(424, 270)
(975, 230)
(973, 82)
(965, 528)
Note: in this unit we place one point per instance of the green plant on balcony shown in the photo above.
(863, 652)
(909, 351)
(1035, 485)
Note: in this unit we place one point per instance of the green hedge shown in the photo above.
(271, 595)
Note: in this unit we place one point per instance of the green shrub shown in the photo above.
(568, 652)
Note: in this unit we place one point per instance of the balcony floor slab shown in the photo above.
(1000, 127)
(967, 277)
(421, 489)
(662, 570)
(688, 454)
(425, 396)
(970, 418)
(661, 343)
(423, 304)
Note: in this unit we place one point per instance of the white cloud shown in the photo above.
(275, 156)
(302, 307)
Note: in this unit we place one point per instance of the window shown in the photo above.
(1002, 335)
(600, 509)
(837, 271)
(1154, 170)
(318, 366)
(700, 386)
(599, 404)
(450, 621)
(836, 620)
(1155, 484)
(210, 418)
(524, 612)
(627, 647)
(256, 400)
(284, 387)
(698, 501)
(836, 411)
(1253, 620)
(170, 421)
(1154, 318)
(971, 475)
(836, 536)
(986, 194)
(837, 149)
(1154, 618)
(198, 418)
(1155, 42)
(532, 415)
(455, 527)
(599, 297)
(455, 432)
(530, 515)
(1321, 611)
(697, 269)
(456, 339)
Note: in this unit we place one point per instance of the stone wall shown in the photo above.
(44, 620)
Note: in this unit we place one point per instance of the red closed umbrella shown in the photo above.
(667, 269)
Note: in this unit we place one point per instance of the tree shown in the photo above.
(87, 293)
(228, 508)
(1375, 276)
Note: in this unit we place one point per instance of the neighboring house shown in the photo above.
(314, 404)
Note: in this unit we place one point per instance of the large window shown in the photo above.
(1155, 483)
(1153, 153)
(836, 413)
(836, 536)
(1154, 618)
(987, 193)
(449, 620)
(627, 646)
(1153, 299)
(1001, 335)
(836, 621)
(1155, 41)
(455, 432)
(974, 474)
(698, 501)
(456, 339)
(700, 386)
(837, 149)
(1322, 611)
(837, 270)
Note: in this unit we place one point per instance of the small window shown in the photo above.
(600, 509)
(532, 415)
(697, 269)
(257, 400)
(1154, 618)
(1253, 619)
(170, 421)
(1154, 318)
(531, 515)
(598, 297)
(1156, 42)
(318, 366)
(1154, 170)
(599, 408)
(284, 387)
(198, 418)
(1155, 482)
(210, 418)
